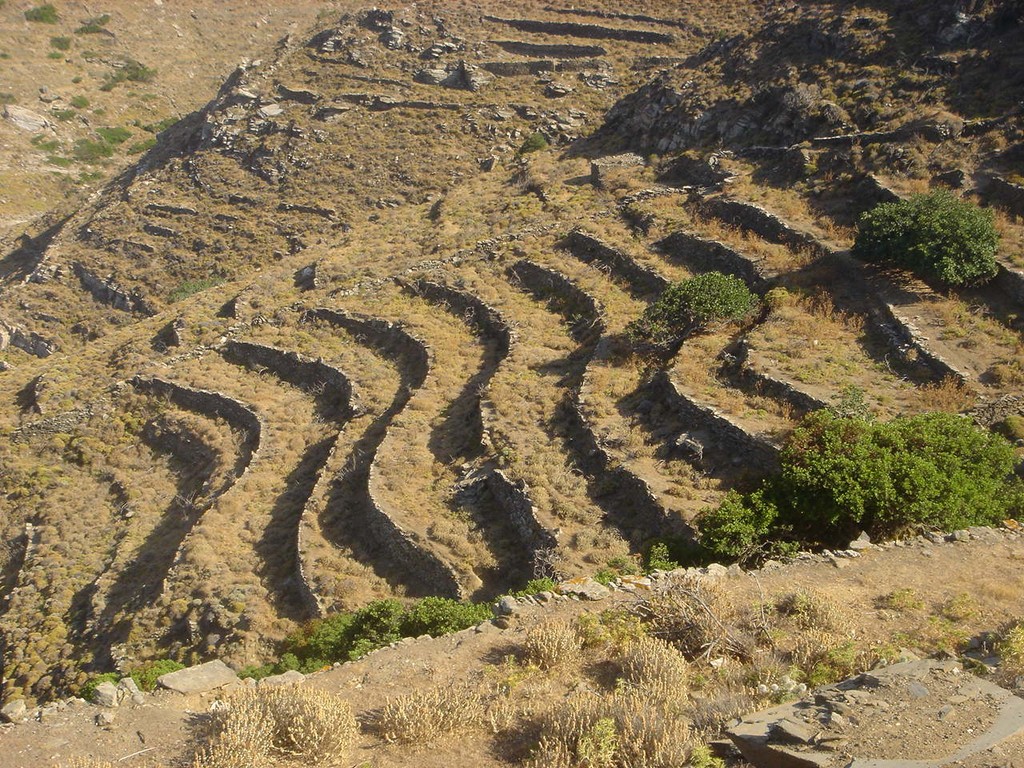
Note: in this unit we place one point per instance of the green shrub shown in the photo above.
(94, 25)
(438, 616)
(535, 586)
(143, 145)
(534, 143)
(61, 43)
(64, 114)
(840, 476)
(146, 674)
(90, 151)
(658, 558)
(115, 136)
(79, 102)
(192, 287)
(45, 14)
(935, 235)
(689, 305)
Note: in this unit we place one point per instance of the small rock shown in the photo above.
(270, 110)
(105, 719)
(588, 589)
(946, 712)
(507, 606)
(14, 711)
(791, 732)
(862, 542)
(199, 679)
(105, 695)
(916, 690)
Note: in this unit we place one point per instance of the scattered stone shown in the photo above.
(557, 90)
(127, 689)
(105, 695)
(861, 543)
(585, 588)
(14, 711)
(270, 110)
(790, 732)
(105, 719)
(25, 119)
(917, 690)
(199, 679)
(507, 606)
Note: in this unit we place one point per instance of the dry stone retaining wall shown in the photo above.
(762, 223)
(589, 249)
(704, 255)
(591, 31)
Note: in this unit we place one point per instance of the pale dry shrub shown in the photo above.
(314, 724)
(553, 644)
(654, 668)
(810, 610)
(618, 730)
(249, 726)
(426, 716)
(85, 762)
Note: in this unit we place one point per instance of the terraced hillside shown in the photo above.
(358, 328)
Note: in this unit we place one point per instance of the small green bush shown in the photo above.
(61, 43)
(192, 287)
(143, 145)
(79, 102)
(534, 143)
(64, 114)
(145, 675)
(658, 558)
(94, 25)
(115, 136)
(535, 586)
(91, 151)
(436, 616)
(44, 14)
(131, 70)
(936, 235)
(690, 305)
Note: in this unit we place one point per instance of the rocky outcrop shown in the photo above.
(589, 31)
(700, 254)
(1006, 194)
(25, 340)
(107, 291)
(329, 386)
(643, 281)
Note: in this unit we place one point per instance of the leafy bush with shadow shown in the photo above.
(690, 305)
(840, 476)
(94, 25)
(145, 675)
(534, 143)
(936, 235)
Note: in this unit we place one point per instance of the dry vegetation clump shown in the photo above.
(553, 644)
(251, 726)
(698, 617)
(427, 716)
(656, 669)
(85, 762)
(1010, 648)
(625, 729)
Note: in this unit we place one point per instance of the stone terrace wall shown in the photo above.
(589, 249)
(704, 255)
(763, 223)
(514, 498)
(590, 31)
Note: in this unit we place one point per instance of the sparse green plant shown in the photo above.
(1010, 648)
(959, 608)
(145, 675)
(89, 688)
(116, 135)
(94, 25)
(659, 559)
(79, 101)
(936, 235)
(43, 14)
(130, 70)
(91, 151)
(192, 287)
(61, 43)
(901, 600)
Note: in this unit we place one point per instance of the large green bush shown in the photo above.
(840, 476)
(936, 235)
(689, 305)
